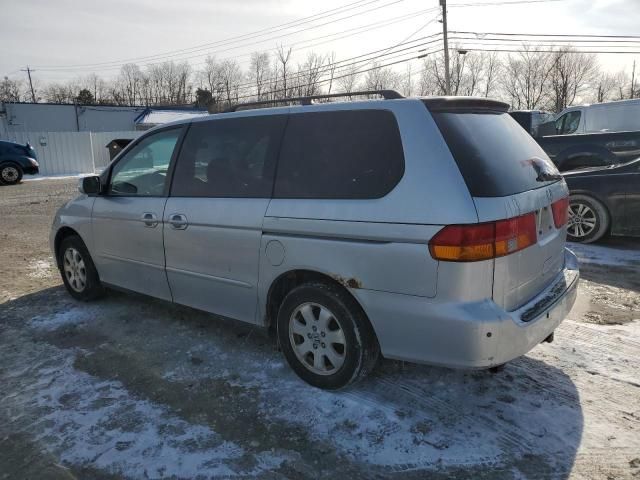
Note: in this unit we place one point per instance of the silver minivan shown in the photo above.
(422, 229)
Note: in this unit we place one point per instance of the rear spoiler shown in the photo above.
(464, 104)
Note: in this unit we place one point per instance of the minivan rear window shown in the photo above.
(340, 155)
(495, 155)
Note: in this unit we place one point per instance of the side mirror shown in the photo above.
(89, 185)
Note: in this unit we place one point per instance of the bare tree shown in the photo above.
(231, 77)
(406, 87)
(492, 70)
(97, 86)
(570, 74)
(331, 69)
(309, 74)
(380, 78)
(526, 77)
(604, 87)
(621, 80)
(283, 58)
(130, 80)
(472, 76)
(429, 83)
(348, 80)
(59, 93)
(260, 70)
(10, 90)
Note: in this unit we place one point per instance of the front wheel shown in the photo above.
(10, 174)
(325, 336)
(588, 219)
(78, 272)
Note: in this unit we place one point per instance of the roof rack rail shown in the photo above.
(386, 94)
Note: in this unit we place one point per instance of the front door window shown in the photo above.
(143, 170)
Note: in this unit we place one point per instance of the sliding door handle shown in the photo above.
(178, 221)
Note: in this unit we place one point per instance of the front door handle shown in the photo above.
(150, 219)
(178, 221)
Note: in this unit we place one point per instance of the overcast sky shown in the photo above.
(58, 33)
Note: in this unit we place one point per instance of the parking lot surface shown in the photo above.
(131, 387)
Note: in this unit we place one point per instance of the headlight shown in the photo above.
(33, 162)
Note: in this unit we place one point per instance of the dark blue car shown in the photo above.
(16, 160)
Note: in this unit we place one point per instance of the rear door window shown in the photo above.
(233, 158)
(494, 154)
(340, 154)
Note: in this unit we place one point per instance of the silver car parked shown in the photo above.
(422, 229)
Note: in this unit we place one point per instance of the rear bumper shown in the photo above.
(30, 170)
(468, 335)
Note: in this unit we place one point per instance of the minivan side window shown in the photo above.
(142, 171)
(233, 158)
(568, 123)
(346, 154)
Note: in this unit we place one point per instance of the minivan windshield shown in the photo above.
(496, 156)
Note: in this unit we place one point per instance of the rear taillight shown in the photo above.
(560, 210)
(482, 241)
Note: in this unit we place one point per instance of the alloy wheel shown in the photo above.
(317, 338)
(74, 269)
(582, 220)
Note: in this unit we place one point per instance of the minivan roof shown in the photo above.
(434, 104)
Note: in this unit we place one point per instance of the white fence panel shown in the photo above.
(59, 152)
(99, 142)
(69, 153)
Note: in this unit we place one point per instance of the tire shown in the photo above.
(10, 173)
(313, 314)
(78, 271)
(588, 219)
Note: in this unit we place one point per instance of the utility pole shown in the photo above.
(447, 78)
(633, 80)
(33, 94)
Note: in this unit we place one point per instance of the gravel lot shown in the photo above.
(130, 387)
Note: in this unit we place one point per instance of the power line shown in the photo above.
(118, 64)
(550, 51)
(546, 34)
(291, 23)
(322, 82)
(326, 68)
(555, 41)
(499, 3)
(339, 35)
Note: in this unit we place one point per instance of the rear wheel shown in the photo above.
(588, 219)
(325, 336)
(78, 272)
(10, 173)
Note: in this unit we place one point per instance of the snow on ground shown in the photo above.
(100, 423)
(403, 418)
(604, 255)
(38, 178)
(53, 322)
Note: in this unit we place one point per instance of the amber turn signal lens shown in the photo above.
(483, 241)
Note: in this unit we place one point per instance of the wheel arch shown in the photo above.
(61, 234)
(596, 197)
(290, 279)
